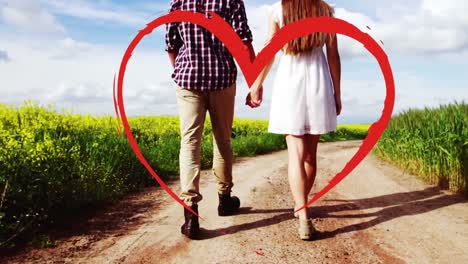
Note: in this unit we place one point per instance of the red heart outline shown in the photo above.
(222, 30)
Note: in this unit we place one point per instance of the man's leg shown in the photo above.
(221, 109)
(192, 112)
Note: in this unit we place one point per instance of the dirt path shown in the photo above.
(378, 214)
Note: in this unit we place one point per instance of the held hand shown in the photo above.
(248, 101)
(255, 97)
(338, 104)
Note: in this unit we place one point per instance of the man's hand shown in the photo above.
(255, 97)
(338, 104)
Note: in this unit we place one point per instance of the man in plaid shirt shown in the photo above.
(205, 74)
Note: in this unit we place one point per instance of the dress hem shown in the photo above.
(301, 132)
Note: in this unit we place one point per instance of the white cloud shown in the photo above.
(417, 91)
(101, 10)
(258, 22)
(84, 80)
(349, 47)
(29, 15)
(4, 56)
(452, 10)
(78, 93)
(69, 48)
(76, 74)
(433, 27)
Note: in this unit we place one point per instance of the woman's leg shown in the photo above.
(310, 162)
(296, 172)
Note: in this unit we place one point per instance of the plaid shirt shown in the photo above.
(203, 62)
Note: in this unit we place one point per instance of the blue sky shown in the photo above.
(65, 52)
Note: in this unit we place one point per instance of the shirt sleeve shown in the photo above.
(173, 39)
(239, 21)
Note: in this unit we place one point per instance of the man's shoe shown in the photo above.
(228, 205)
(191, 227)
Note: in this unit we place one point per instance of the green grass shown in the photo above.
(55, 164)
(346, 132)
(432, 142)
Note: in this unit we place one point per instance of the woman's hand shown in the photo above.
(338, 104)
(255, 97)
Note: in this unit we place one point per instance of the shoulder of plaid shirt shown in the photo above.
(237, 8)
(235, 15)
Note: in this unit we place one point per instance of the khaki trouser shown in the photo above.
(192, 111)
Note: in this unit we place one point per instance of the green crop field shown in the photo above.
(432, 143)
(53, 164)
(358, 127)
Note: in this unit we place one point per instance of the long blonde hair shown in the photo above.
(295, 10)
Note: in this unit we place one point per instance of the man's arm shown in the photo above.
(172, 57)
(248, 46)
(239, 20)
(173, 43)
(241, 27)
(173, 39)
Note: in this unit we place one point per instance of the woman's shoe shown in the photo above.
(306, 229)
(296, 214)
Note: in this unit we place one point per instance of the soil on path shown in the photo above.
(378, 214)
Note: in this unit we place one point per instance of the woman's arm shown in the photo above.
(334, 63)
(254, 98)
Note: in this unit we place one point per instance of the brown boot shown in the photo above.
(228, 205)
(191, 227)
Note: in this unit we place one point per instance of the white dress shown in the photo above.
(303, 99)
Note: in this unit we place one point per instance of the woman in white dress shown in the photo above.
(306, 97)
